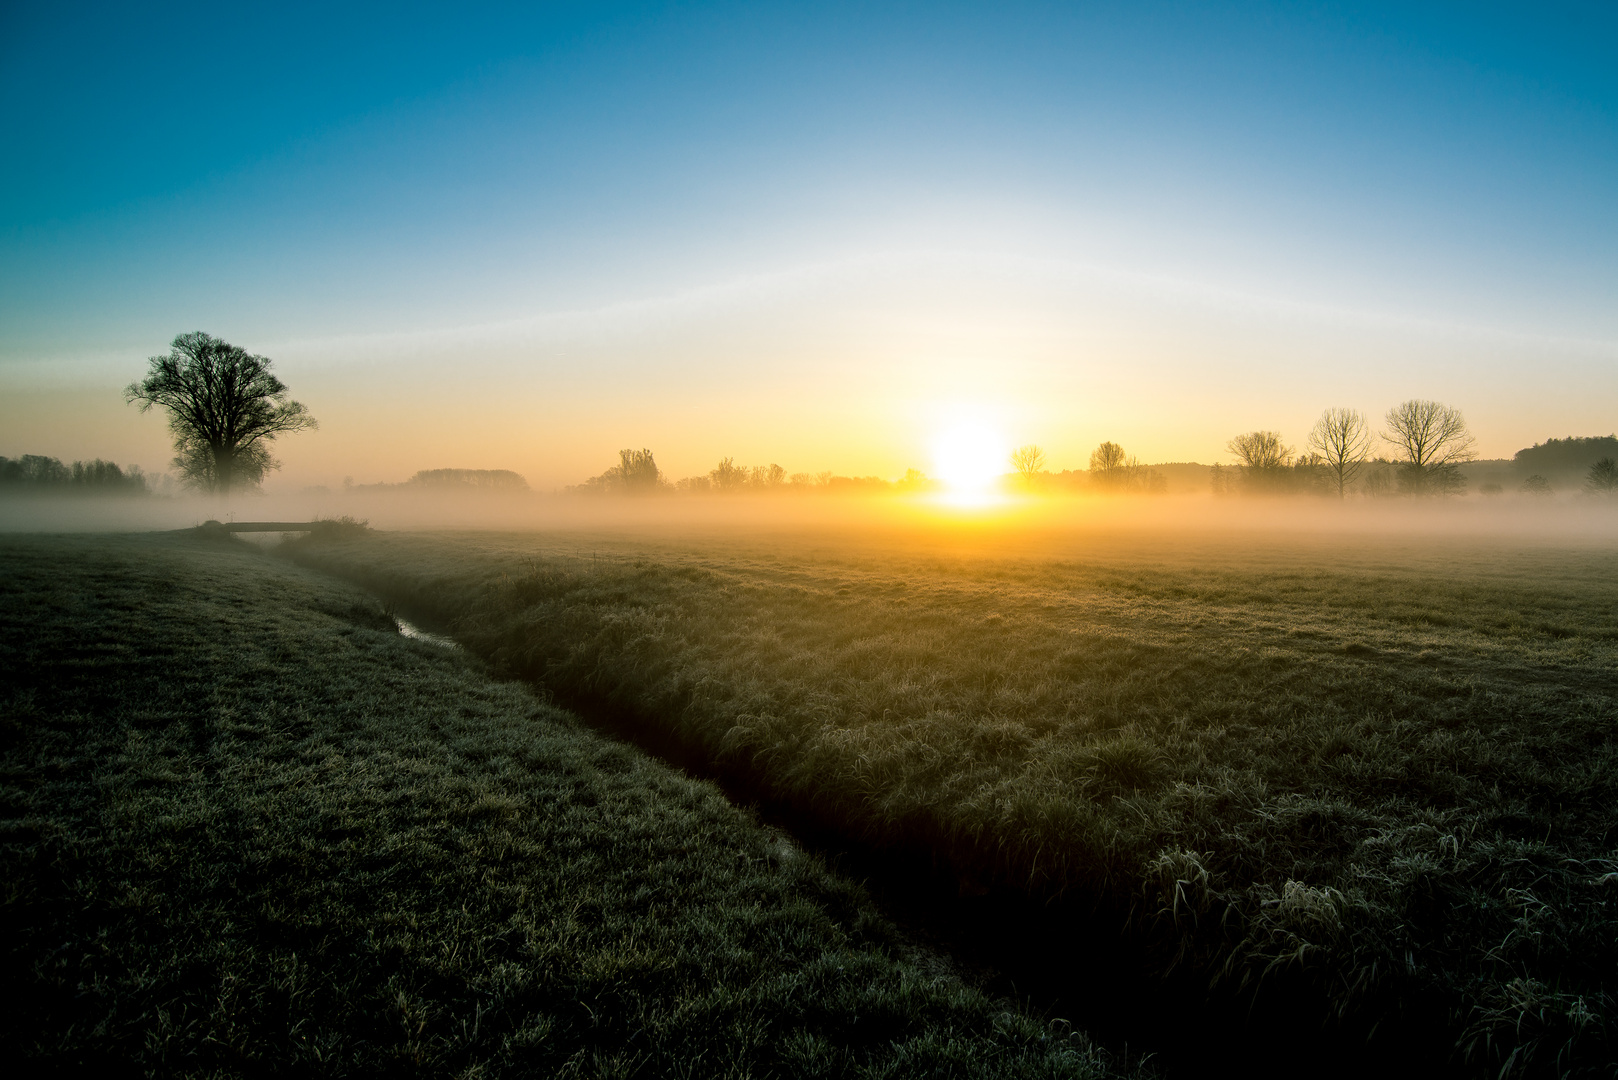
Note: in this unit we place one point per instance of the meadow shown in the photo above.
(1352, 792)
(246, 827)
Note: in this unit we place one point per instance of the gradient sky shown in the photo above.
(811, 233)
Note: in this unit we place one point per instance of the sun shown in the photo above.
(969, 456)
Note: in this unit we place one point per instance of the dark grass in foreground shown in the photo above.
(1377, 781)
(247, 827)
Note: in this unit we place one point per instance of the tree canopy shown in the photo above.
(1433, 440)
(635, 474)
(35, 474)
(1261, 450)
(225, 408)
(502, 480)
(1266, 460)
(1559, 455)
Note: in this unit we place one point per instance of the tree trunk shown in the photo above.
(224, 461)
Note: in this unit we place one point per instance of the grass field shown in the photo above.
(249, 828)
(1360, 783)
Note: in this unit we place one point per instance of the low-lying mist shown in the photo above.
(1004, 524)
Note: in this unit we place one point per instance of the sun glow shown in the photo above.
(969, 457)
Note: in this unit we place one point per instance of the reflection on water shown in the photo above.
(411, 630)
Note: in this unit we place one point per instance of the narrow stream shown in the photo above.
(411, 630)
(1063, 960)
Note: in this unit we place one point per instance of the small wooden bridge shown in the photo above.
(258, 526)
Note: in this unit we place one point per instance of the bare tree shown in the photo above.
(767, 477)
(1380, 482)
(1028, 461)
(1265, 459)
(1343, 440)
(224, 409)
(1115, 470)
(637, 472)
(1109, 465)
(1603, 476)
(728, 476)
(1434, 441)
(1261, 450)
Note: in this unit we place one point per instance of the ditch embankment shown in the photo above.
(1080, 959)
(1301, 807)
(247, 828)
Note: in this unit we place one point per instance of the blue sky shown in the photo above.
(807, 231)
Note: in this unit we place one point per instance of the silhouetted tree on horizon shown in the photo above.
(1028, 461)
(1109, 465)
(1117, 471)
(770, 477)
(1602, 477)
(728, 476)
(1266, 460)
(1433, 440)
(1343, 439)
(637, 472)
(224, 406)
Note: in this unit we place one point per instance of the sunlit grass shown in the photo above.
(1343, 763)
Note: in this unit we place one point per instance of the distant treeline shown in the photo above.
(498, 481)
(1570, 455)
(1432, 455)
(1434, 458)
(1436, 461)
(1590, 460)
(1307, 474)
(637, 473)
(36, 474)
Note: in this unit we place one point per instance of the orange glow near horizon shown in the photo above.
(977, 499)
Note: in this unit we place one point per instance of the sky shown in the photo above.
(812, 234)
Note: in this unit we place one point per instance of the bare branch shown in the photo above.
(1433, 440)
(1342, 438)
(1028, 461)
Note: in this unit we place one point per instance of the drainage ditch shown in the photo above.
(1067, 960)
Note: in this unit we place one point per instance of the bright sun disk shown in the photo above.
(969, 457)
